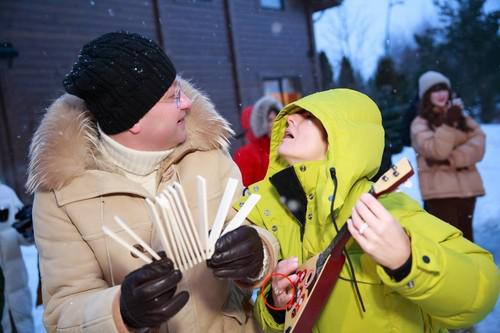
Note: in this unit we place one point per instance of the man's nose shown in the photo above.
(185, 102)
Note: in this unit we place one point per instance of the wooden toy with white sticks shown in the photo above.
(186, 241)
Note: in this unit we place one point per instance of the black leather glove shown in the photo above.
(147, 294)
(238, 255)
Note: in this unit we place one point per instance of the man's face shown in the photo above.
(305, 139)
(164, 126)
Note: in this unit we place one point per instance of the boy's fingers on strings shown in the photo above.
(363, 230)
(281, 284)
(366, 215)
(376, 207)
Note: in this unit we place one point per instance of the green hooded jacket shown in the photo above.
(452, 282)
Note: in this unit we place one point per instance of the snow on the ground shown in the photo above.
(486, 221)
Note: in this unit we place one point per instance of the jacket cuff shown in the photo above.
(445, 133)
(400, 273)
(457, 159)
(117, 317)
(271, 248)
(263, 270)
(426, 264)
(278, 315)
(264, 316)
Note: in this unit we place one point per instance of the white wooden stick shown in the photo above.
(138, 239)
(181, 232)
(242, 213)
(203, 213)
(176, 234)
(184, 223)
(161, 230)
(222, 211)
(190, 223)
(126, 245)
(170, 233)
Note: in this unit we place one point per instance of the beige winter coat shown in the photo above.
(457, 177)
(77, 192)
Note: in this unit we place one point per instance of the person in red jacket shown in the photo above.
(257, 122)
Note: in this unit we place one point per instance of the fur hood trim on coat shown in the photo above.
(260, 111)
(66, 143)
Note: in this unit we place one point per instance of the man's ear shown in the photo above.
(136, 129)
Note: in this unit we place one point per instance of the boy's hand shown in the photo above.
(378, 233)
(280, 286)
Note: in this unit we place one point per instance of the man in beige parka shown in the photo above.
(127, 128)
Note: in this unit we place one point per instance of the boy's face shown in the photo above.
(164, 126)
(305, 139)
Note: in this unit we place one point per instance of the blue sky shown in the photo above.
(365, 20)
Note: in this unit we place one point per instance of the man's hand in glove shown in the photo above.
(238, 255)
(147, 294)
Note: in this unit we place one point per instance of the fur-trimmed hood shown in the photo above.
(65, 144)
(260, 111)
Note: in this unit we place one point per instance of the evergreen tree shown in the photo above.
(386, 89)
(346, 76)
(467, 50)
(326, 71)
(390, 86)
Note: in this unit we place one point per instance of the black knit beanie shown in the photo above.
(120, 76)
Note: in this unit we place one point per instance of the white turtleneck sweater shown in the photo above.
(138, 166)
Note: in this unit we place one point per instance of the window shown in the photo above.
(272, 4)
(284, 89)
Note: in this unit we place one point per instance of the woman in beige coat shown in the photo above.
(152, 129)
(448, 145)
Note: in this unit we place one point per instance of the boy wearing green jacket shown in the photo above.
(414, 272)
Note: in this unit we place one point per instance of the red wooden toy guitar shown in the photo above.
(318, 275)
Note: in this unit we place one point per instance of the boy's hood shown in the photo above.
(355, 137)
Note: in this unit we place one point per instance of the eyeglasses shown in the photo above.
(177, 94)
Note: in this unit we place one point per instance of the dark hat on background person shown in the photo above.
(429, 79)
(120, 76)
